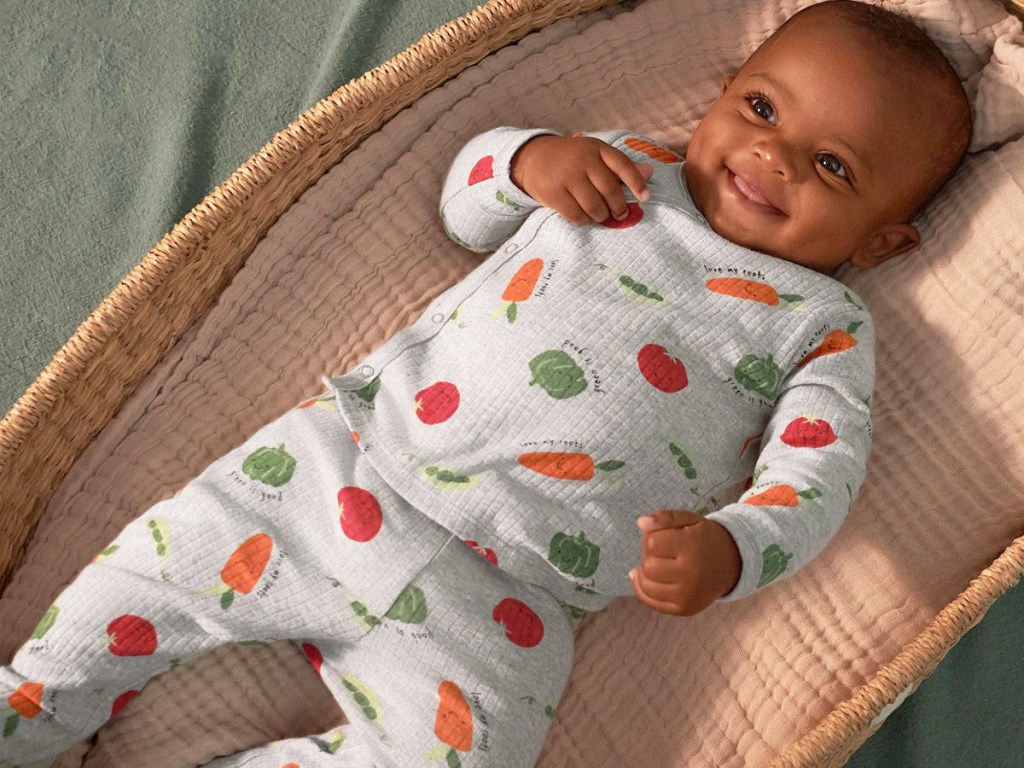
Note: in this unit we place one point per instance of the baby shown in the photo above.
(670, 401)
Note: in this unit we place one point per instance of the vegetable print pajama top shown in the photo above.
(579, 378)
(582, 377)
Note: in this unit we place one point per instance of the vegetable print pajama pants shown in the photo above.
(437, 657)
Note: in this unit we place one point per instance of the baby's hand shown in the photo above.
(688, 562)
(580, 177)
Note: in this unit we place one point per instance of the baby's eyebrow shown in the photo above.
(776, 85)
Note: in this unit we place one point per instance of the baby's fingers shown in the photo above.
(633, 175)
(657, 597)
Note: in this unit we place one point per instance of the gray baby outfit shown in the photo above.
(433, 524)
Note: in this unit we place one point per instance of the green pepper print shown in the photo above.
(557, 374)
(369, 392)
(774, 562)
(272, 466)
(574, 554)
(45, 623)
(410, 607)
(759, 375)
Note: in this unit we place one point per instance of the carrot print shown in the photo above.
(326, 402)
(243, 569)
(752, 290)
(26, 702)
(834, 341)
(775, 496)
(566, 466)
(788, 496)
(652, 150)
(454, 722)
(744, 289)
(519, 288)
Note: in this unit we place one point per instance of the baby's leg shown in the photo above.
(250, 550)
(464, 670)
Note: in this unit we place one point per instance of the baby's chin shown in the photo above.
(753, 238)
(768, 243)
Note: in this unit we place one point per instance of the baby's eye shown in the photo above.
(762, 107)
(832, 164)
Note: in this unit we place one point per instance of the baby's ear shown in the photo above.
(887, 241)
(726, 83)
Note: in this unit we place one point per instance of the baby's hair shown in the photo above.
(912, 50)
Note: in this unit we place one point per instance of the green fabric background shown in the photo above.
(118, 117)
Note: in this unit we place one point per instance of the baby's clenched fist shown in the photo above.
(687, 562)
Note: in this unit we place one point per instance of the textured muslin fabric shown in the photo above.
(293, 536)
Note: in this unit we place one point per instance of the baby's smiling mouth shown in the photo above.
(750, 196)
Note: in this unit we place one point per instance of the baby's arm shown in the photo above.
(500, 177)
(812, 462)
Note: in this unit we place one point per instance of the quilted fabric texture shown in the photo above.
(363, 252)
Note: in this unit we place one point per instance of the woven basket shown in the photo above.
(177, 282)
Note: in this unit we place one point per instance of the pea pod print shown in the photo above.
(368, 702)
(448, 479)
(557, 374)
(45, 623)
(363, 615)
(161, 533)
(638, 291)
(107, 552)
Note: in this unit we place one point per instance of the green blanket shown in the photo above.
(118, 117)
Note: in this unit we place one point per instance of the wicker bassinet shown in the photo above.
(144, 358)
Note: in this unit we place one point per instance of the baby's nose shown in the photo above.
(775, 157)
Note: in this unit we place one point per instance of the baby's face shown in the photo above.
(814, 151)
